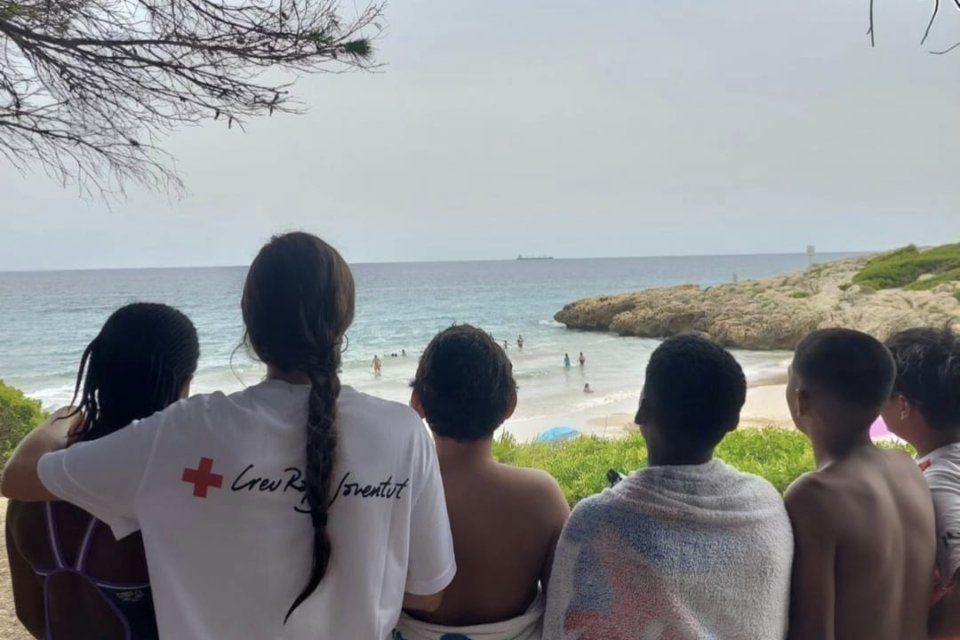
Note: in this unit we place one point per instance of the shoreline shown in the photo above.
(765, 406)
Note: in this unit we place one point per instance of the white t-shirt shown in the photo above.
(941, 470)
(215, 484)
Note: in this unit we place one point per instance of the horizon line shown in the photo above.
(474, 260)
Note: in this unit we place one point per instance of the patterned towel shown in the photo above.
(524, 627)
(674, 553)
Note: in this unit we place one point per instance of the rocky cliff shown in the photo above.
(767, 314)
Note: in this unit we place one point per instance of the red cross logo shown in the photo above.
(202, 478)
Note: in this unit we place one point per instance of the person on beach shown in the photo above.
(566, 361)
(925, 411)
(688, 547)
(587, 389)
(520, 342)
(464, 389)
(295, 508)
(71, 578)
(863, 520)
(582, 359)
(377, 366)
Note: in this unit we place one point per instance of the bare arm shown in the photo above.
(945, 615)
(20, 479)
(558, 511)
(428, 604)
(812, 593)
(27, 590)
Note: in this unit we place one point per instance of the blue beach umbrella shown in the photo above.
(556, 434)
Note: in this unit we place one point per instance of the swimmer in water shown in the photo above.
(377, 366)
(587, 389)
(582, 359)
(566, 361)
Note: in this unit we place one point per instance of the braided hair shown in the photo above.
(137, 365)
(298, 302)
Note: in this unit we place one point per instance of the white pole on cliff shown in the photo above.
(811, 253)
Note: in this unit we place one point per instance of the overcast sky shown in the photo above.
(562, 127)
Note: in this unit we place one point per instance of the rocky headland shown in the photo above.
(776, 313)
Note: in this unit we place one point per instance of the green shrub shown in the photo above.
(925, 285)
(800, 295)
(845, 286)
(18, 415)
(901, 268)
(580, 465)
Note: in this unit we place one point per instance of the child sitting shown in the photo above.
(505, 520)
(925, 411)
(863, 521)
(688, 547)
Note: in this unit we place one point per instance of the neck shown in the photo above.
(835, 444)
(292, 377)
(932, 440)
(453, 454)
(657, 457)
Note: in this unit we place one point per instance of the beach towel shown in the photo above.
(674, 553)
(523, 627)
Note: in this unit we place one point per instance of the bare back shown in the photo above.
(505, 523)
(73, 579)
(865, 549)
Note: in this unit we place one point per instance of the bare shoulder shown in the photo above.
(812, 496)
(901, 460)
(538, 489)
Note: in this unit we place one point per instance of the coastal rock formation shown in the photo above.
(767, 314)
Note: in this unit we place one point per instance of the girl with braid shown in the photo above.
(296, 508)
(71, 578)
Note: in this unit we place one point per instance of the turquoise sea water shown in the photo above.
(47, 318)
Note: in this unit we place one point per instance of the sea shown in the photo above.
(47, 318)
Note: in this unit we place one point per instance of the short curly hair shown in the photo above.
(928, 373)
(465, 384)
(848, 365)
(694, 389)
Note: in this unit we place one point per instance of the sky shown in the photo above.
(564, 128)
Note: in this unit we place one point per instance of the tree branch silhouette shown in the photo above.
(88, 88)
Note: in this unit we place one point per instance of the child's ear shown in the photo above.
(185, 389)
(642, 413)
(511, 407)
(417, 405)
(905, 408)
(802, 399)
(734, 426)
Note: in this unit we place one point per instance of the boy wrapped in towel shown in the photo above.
(688, 548)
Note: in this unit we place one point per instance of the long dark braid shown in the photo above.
(137, 365)
(297, 304)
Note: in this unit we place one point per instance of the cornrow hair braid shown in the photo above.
(86, 403)
(320, 450)
(134, 367)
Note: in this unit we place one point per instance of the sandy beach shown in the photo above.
(766, 406)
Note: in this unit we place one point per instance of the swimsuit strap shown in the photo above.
(54, 539)
(85, 545)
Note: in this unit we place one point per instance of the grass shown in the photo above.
(18, 415)
(902, 268)
(580, 465)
